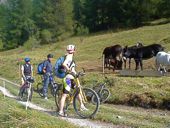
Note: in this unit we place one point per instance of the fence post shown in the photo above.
(4, 88)
(103, 59)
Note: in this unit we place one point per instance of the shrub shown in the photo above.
(80, 30)
(31, 43)
(45, 36)
(1, 45)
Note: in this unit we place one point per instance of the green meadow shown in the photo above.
(149, 96)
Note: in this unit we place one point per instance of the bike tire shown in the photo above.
(104, 95)
(54, 88)
(31, 93)
(58, 95)
(23, 94)
(92, 108)
(40, 89)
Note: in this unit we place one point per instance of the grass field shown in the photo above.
(147, 92)
(115, 114)
(13, 115)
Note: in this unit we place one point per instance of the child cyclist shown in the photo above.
(68, 80)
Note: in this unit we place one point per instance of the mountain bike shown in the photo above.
(102, 91)
(26, 90)
(52, 85)
(72, 98)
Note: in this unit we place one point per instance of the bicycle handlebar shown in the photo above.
(80, 74)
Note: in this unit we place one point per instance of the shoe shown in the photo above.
(45, 98)
(83, 108)
(62, 114)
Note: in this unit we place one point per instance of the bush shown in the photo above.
(45, 36)
(81, 30)
(1, 45)
(31, 43)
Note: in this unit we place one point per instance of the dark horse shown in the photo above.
(141, 53)
(132, 53)
(111, 54)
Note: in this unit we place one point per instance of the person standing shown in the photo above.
(68, 81)
(26, 70)
(47, 72)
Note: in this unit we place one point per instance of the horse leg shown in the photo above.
(164, 69)
(124, 61)
(129, 63)
(137, 64)
(109, 63)
(141, 64)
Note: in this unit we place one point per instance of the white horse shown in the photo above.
(162, 61)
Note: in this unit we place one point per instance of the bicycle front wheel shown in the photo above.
(104, 95)
(58, 95)
(30, 93)
(86, 96)
(24, 94)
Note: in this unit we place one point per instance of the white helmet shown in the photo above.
(70, 48)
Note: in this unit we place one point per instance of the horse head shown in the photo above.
(139, 44)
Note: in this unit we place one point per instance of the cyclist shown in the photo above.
(68, 80)
(47, 71)
(26, 70)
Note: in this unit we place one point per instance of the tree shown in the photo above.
(164, 8)
(19, 26)
(54, 15)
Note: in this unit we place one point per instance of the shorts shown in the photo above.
(68, 85)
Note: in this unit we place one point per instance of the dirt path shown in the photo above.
(79, 122)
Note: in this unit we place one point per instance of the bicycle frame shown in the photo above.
(84, 99)
(80, 95)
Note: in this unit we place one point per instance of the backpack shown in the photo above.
(59, 70)
(40, 68)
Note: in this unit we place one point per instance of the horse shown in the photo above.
(139, 44)
(112, 53)
(116, 64)
(140, 53)
(162, 61)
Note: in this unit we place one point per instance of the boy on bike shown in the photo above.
(26, 70)
(27, 74)
(68, 80)
(47, 71)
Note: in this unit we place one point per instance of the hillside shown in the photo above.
(147, 92)
(17, 116)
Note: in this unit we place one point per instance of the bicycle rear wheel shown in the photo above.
(92, 107)
(40, 89)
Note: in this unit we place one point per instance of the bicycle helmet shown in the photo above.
(49, 56)
(27, 59)
(70, 48)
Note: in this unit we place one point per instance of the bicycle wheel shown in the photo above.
(29, 96)
(23, 94)
(40, 89)
(104, 95)
(87, 96)
(58, 95)
(54, 88)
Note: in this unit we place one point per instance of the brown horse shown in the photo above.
(112, 53)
